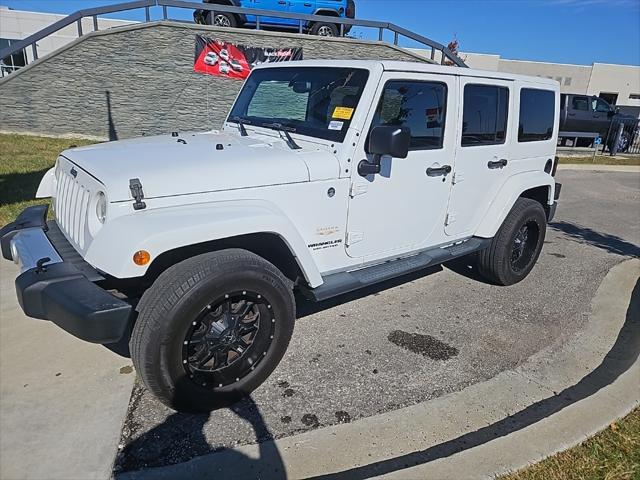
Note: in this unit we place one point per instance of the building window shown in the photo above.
(610, 98)
(12, 62)
(484, 118)
(421, 106)
(537, 114)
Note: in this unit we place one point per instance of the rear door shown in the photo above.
(482, 156)
(302, 6)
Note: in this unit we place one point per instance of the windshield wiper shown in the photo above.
(278, 127)
(241, 122)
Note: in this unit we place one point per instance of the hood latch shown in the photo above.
(136, 192)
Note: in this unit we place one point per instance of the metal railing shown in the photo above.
(446, 56)
(623, 136)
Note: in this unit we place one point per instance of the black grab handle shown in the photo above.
(435, 172)
(498, 163)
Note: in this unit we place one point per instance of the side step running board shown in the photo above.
(343, 282)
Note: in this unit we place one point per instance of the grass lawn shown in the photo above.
(601, 160)
(23, 161)
(613, 454)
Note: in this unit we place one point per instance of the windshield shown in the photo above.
(314, 101)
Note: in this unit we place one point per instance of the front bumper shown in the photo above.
(56, 284)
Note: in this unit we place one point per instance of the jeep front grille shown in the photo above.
(71, 205)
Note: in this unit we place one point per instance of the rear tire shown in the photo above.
(323, 29)
(232, 307)
(515, 249)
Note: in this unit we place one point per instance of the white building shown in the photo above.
(18, 24)
(617, 84)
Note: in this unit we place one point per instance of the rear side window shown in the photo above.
(484, 119)
(537, 112)
(580, 103)
(421, 106)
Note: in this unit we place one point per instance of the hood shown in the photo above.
(195, 163)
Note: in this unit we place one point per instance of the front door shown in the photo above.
(403, 207)
(482, 157)
(602, 113)
(579, 114)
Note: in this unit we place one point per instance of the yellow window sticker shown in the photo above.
(343, 113)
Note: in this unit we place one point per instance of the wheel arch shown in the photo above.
(183, 231)
(538, 186)
(327, 12)
(231, 3)
(267, 245)
(540, 194)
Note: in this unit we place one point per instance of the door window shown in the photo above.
(537, 114)
(580, 103)
(600, 105)
(421, 106)
(484, 119)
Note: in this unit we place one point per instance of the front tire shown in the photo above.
(515, 249)
(221, 19)
(211, 329)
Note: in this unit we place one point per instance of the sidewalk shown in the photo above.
(62, 400)
(600, 168)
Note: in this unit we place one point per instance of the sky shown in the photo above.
(562, 31)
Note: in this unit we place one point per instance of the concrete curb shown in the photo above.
(600, 168)
(553, 401)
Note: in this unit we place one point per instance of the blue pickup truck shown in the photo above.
(330, 8)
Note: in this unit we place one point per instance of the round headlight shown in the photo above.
(101, 207)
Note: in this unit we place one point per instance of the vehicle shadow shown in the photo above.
(19, 187)
(167, 443)
(468, 267)
(605, 241)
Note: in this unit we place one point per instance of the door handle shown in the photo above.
(307, 4)
(436, 172)
(281, 2)
(498, 163)
(571, 114)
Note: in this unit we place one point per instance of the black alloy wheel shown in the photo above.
(227, 339)
(524, 246)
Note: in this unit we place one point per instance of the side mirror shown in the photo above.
(385, 140)
(301, 86)
(390, 140)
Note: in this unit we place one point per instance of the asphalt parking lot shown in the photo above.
(414, 339)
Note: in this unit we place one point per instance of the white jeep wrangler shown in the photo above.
(327, 176)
